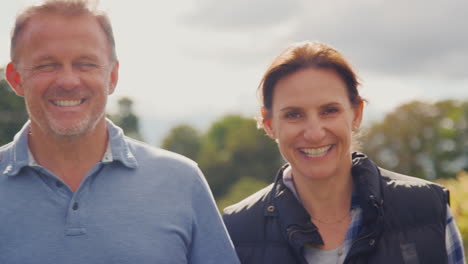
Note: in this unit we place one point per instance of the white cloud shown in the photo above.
(242, 14)
(187, 59)
(398, 37)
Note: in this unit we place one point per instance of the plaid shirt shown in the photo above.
(453, 241)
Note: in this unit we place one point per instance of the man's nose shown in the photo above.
(68, 78)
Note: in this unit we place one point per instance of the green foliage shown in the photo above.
(183, 139)
(232, 148)
(126, 119)
(422, 139)
(244, 187)
(459, 203)
(13, 112)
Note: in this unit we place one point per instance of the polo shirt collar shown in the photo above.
(118, 148)
(16, 155)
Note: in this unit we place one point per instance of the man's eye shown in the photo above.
(49, 67)
(86, 66)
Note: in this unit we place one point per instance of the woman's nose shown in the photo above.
(314, 130)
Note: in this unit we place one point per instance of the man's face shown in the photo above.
(65, 73)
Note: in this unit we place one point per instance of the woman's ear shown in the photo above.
(14, 79)
(358, 113)
(266, 121)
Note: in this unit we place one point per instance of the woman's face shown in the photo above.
(312, 121)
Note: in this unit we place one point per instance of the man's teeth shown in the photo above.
(66, 103)
(316, 152)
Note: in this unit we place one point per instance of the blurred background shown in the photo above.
(189, 72)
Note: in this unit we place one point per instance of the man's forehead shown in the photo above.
(84, 28)
(57, 19)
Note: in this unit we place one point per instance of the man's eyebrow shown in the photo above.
(88, 57)
(44, 58)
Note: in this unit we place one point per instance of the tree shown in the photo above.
(233, 148)
(458, 188)
(13, 112)
(427, 140)
(126, 119)
(183, 139)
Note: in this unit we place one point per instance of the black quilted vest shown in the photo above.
(404, 221)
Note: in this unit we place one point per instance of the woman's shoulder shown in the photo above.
(245, 220)
(248, 213)
(411, 189)
(398, 179)
(252, 204)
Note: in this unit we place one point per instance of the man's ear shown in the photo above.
(266, 122)
(114, 77)
(14, 79)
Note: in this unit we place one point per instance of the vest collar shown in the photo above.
(367, 180)
(295, 221)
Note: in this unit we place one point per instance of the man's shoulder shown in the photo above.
(6, 146)
(150, 156)
(3, 152)
(155, 152)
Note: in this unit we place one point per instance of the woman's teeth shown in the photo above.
(316, 152)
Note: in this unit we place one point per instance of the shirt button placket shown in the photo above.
(74, 226)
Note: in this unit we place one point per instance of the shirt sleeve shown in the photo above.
(210, 243)
(453, 241)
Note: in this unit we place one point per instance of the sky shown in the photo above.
(194, 61)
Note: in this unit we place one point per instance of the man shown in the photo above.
(73, 188)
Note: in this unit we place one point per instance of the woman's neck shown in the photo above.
(325, 199)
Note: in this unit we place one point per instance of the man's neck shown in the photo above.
(69, 158)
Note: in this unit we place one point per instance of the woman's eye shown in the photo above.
(292, 115)
(329, 111)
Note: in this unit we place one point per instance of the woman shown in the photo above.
(329, 204)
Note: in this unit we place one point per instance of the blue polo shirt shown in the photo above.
(137, 205)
